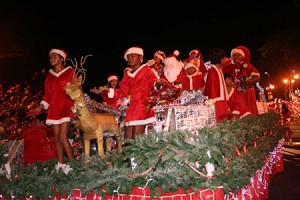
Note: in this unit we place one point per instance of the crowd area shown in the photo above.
(18, 99)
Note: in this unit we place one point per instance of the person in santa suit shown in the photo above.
(233, 102)
(58, 105)
(157, 62)
(194, 79)
(112, 82)
(173, 72)
(195, 56)
(247, 76)
(137, 83)
(215, 87)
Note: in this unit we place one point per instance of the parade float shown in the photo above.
(186, 155)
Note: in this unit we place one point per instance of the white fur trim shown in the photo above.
(112, 78)
(160, 55)
(190, 65)
(45, 104)
(111, 93)
(194, 51)
(60, 121)
(236, 112)
(132, 75)
(246, 114)
(131, 50)
(58, 51)
(59, 73)
(231, 92)
(222, 84)
(233, 51)
(150, 120)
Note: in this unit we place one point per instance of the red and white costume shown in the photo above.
(173, 71)
(55, 98)
(194, 81)
(196, 57)
(138, 86)
(234, 103)
(246, 69)
(112, 102)
(215, 90)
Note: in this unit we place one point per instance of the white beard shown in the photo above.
(171, 73)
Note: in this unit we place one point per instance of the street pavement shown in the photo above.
(286, 185)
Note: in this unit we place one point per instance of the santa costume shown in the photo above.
(173, 70)
(194, 81)
(215, 90)
(137, 85)
(55, 99)
(244, 70)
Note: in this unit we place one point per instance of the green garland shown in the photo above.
(163, 160)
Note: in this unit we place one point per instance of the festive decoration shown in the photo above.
(93, 125)
(241, 84)
(164, 163)
(95, 106)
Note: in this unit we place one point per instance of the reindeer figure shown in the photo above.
(92, 124)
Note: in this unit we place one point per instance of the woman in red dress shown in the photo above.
(112, 82)
(247, 76)
(58, 105)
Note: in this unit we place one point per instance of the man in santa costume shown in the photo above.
(173, 70)
(215, 87)
(137, 82)
(247, 76)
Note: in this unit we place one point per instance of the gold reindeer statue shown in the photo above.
(92, 124)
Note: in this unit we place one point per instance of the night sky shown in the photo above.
(29, 30)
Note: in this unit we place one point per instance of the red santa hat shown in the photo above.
(237, 50)
(195, 52)
(160, 55)
(137, 50)
(60, 52)
(190, 65)
(111, 77)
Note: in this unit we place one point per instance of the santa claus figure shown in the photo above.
(173, 71)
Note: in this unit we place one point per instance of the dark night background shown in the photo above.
(28, 30)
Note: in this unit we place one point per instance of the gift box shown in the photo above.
(15, 151)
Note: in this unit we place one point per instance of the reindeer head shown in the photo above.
(74, 89)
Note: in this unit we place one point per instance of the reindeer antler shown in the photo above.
(80, 70)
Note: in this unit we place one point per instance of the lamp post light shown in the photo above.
(269, 88)
(267, 73)
(289, 87)
(286, 89)
(270, 92)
